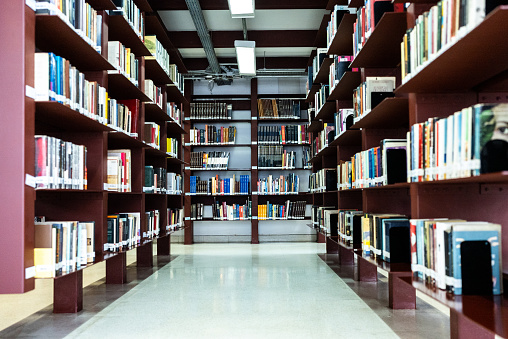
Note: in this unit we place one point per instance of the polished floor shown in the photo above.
(280, 290)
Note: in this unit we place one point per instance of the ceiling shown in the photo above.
(285, 31)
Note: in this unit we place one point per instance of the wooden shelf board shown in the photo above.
(174, 94)
(342, 43)
(121, 88)
(356, 3)
(222, 145)
(155, 72)
(404, 185)
(315, 126)
(382, 49)
(52, 34)
(310, 96)
(322, 75)
(390, 113)
(174, 128)
(120, 30)
(285, 119)
(349, 137)
(328, 150)
(119, 140)
(67, 119)
(143, 5)
(102, 4)
(154, 113)
(222, 169)
(497, 177)
(211, 121)
(345, 87)
(172, 160)
(466, 63)
(154, 152)
(326, 111)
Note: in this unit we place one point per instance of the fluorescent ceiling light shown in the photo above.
(246, 56)
(241, 8)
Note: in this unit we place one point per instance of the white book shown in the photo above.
(41, 67)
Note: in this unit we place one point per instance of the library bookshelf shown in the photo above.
(439, 88)
(248, 106)
(30, 117)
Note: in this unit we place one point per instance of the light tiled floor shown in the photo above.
(234, 291)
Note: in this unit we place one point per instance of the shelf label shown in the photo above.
(29, 90)
(254, 217)
(30, 180)
(254, 142)
(254, 167)
(187, 168)
(29, 272)
(254, 118)
(187, 218)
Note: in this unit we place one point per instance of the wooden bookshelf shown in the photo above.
(326, 111)
(344, 88)
(123, 88)
(120, 30)
(390, 113)
(342, 43)
(322, 76)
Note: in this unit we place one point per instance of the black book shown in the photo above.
(476, 267)
(149, 179)
(396, 170)
(380, 8)
(331, 179)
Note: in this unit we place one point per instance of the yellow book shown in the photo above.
(45, 250)
(128, 62)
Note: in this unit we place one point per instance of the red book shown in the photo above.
(133, 106)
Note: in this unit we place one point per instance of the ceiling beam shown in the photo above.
(179, 5)
(200, 64)
(226, 39)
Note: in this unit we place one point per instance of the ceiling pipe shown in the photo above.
(244, 25)
(204, 34)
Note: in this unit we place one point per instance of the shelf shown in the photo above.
(389, 267)
(497, 177)
(211, 120)
(282, 144)
(477, 57)
(315, 126)
(173, 127)
(220, 145)
(310, 95)
(342, 43)
(279, 219)
(124, 193)
(121, 88)
(155, 72)
(282, 194)
(67, 119)
(171, 160)
(174, 94)
(219, 169)
(143, 5)
(322, 75)
(102, 4)
(215, 220)
(385, 187)
(60, 190)
(382, 49)
(282, 169)
(326, 192)
(121, 140)
(154, 152)
(54, 35)
(326, 111)
(120, 30)
(356, 3)
(154, 113)
(345, 87)
(328, 150)
(217, 194)
(287, 119)
(350, 137)
(390, 113)
(489, 312)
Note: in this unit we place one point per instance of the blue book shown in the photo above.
(420, 255)
(476, 232)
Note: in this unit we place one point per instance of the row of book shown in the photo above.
(367, 17)
(279, 185)
(278, 108)
(153, 92)
(124, 61)
(213, 135)
(78, 14)
(335, 18)
(159, 180)
(210, 110)
(209, 160)
(158, 51)
(59, 164)
(290, 210)
(174, 111)
(172, 147)
(223, 211)
(218, 186)
(62, 246)
(317, 61)
(122, 115)
(324, 218)
(437, 29)
(343, 120)
(152, 135)
(276, 156)
(175, 217)
(377, 166)
(196, 211)
(338, 67)
(370, 93)
(123, 231)
(133, 15)
(323, 138)
(176, 77)
(324, 180)
(119, 170)
(467, 143)
(321, 97)
(283, 134)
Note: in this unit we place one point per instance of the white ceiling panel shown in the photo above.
(294, 19)
(260, 52)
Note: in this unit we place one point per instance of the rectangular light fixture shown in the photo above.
(246, 56)
(241, 8)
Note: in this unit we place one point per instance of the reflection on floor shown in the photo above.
(235, 291)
